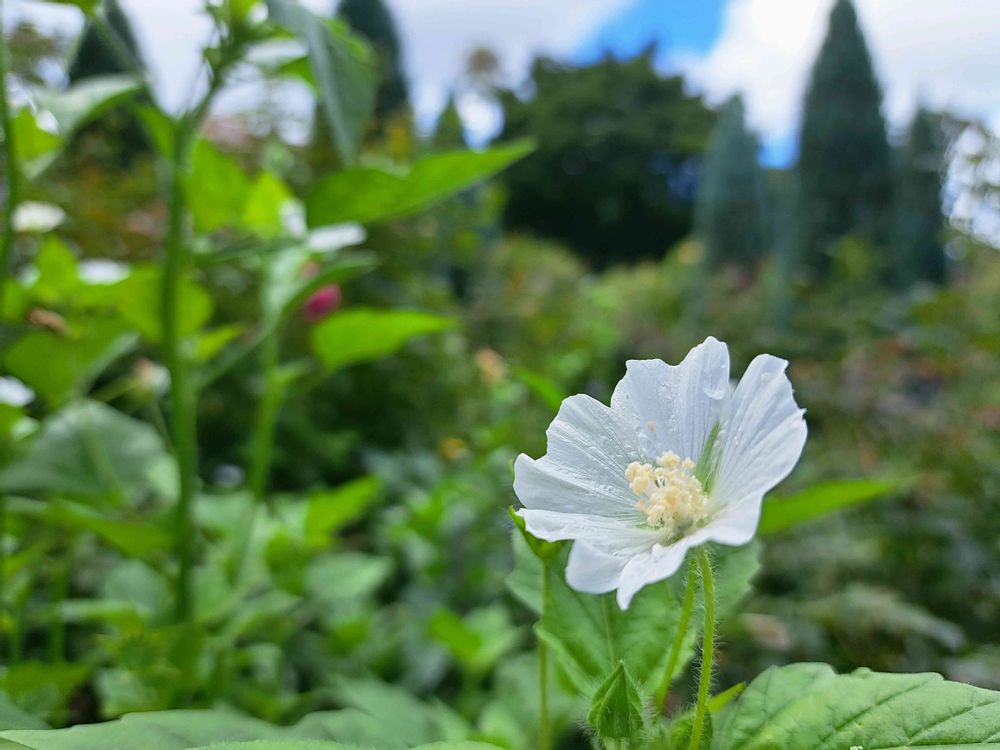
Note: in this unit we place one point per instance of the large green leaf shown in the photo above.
(83, 101)
(342, 70)
(362, 335)
(136, 539)
(810, 707)
(368, 194)
(781, 513)
(590, 634)
(217, 188)
(137, 298)
(12, 717)
(87, 448)
(61, 365)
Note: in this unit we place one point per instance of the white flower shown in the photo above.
(32, 216)
(15, 393)
(102, 271)
(679, 459)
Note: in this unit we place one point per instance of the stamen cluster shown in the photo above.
(670, 495)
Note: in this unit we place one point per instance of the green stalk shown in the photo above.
(543, 672)
(682, 627)
(183, 389)
(707, 649)
(6, 252)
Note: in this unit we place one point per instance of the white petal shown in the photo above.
(658, 563)
(762, 438)
(591, 571)
(584, 470)
(680, 403)
(607, 535)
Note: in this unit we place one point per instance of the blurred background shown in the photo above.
(817, 180)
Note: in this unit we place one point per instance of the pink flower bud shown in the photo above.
(321, 303)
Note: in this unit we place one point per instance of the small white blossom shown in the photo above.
(102, 271)
(680, 458)
(15, 393)
(32, 216)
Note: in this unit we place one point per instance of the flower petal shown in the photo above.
(607, 535)
(762, 438)
(658, 563)
(591, 571)
(584, 470)
(676, 407)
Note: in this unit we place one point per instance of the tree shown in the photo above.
(919, 255)
(617, 159)
(372, 20)
(449, 132)
(119, 134)
(845, 164)
(730, 208)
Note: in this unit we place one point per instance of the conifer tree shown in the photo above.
(729, 210)
(845, 165)
(449, 132)
(119, 132)
(373, 20)
(918, 252)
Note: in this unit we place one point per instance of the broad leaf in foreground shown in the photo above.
(811, 707)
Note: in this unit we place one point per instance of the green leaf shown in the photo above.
(159, 128)
(217, 188)
(36, 147)
(330, 510)
(87, 99)
(350, 575)
(589, 634)
(478, 640)
(550, 393)
(41, 689)
(87, 6)
(810, 707)
(57, 277)
(262, 209)
(342, 69)
(60, 366)
(87, 448)
(277, 745)
(136, 539)
(12, 717)
(616, 708)
(137, 299)
(782, 513)
(362, 335)
(369, 194)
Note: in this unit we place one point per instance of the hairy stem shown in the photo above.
(707, 649)
(543, 672)
(682, 628)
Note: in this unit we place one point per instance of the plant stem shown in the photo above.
(13, 175)
(543, 671)
(682, 627)
(707, 649)
(183, 418)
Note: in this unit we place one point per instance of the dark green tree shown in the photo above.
(96, 55)
(730, 209)
(118, 133)
(918, 252)
(845, 164)
(618, 154)
(372, 20)
(449, 132)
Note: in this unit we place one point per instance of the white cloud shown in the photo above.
(945, 53)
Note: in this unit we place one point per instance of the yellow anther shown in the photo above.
(669, 494)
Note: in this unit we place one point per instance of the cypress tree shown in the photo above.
(729, 210)
(372, 20)
(919, 255)
(121, 134)
(449, 132)
(95, 57)
(845, 164)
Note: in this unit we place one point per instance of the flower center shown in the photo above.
(669, 493)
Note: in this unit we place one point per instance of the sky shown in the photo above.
(946, 54)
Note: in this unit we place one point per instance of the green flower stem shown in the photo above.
(183, 388)
(707, 649)
(6, 251)
(543, 671)
(682, 628)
